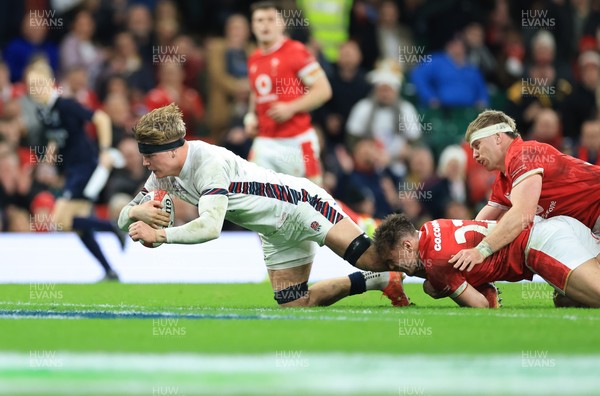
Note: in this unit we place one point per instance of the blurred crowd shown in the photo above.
(407, 78)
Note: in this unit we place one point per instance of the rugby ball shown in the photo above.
(167, 202)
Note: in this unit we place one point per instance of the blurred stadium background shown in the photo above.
(537, 60)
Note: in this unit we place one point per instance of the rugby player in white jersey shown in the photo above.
(292, 215)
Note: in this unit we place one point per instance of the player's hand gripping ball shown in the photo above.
(167, 206)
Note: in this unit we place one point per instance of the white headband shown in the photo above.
(489, 131)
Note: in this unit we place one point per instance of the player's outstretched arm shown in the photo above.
(470, 297)
(524, 197)
(211, 210)
(490, 213)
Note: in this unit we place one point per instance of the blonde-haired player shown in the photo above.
(292, 215)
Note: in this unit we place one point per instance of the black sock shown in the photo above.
(91, 224)
(358, 284)
(90, 243)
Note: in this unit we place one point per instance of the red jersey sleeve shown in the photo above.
(304, 64)
(525, 159)
(499, 198)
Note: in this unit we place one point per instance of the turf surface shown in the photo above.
(189, 339)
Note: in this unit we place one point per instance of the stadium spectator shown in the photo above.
(76, 85)
(292, 215)
(8, 91)
(543, 53)
(385, 117)
(132, 176)
(589, 148)
(539, 89)
(561, 250)
(286, 83)
(71, 149)
(393, 38)
(118, 109)
(14, 187)
(547, 129)
(582, 103)
(449, 185)
(126, 62)
(447, 79)
(538, 179)
(194, 65)
(228, 75)
(33, 42)
(363, 30)
(348, 86)
(171, 89)
(368, 173)
(477, 52)
(140, 24)
(78, 50)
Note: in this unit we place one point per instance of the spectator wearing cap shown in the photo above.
(582, 104)
(447, 79)
(385, 117)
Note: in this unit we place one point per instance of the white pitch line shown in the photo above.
(297, 372)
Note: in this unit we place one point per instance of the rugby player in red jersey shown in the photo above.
(534, 179)
(286, 83)
(561, 250)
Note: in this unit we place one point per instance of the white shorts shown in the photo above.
(557, 246)
(296, 156)
(304, 228)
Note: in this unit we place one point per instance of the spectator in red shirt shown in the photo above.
(171, 89)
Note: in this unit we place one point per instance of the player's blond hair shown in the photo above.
(490, 117)
(162, 125)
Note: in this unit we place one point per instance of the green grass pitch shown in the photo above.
(188, 339)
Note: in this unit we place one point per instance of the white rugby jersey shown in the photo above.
(259, 199)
